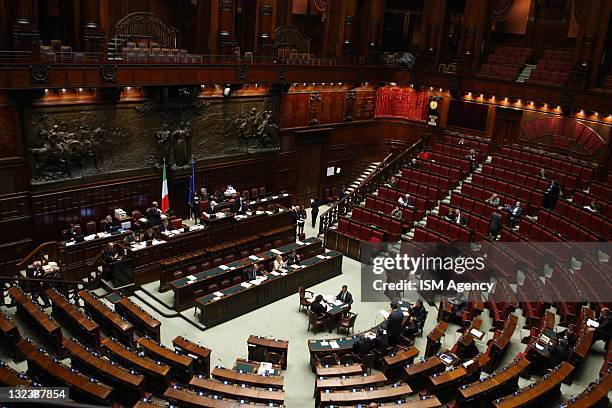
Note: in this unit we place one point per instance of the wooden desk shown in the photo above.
(50, 331)
(433, 338)
(76, 322)
(258, 346)
(354, 381)
(339, 370)
(252, 367)
(128, 385)
(200, 354)
(256, 380)
(238, 300)
(389, 393)
(394, 362)
(110, 321)
(416, 373)
(596, 391)
(429, 401)
(543, 388)
(445, 384)
(502, 341)
(143, 321)
(190, 399)
(182, 365)
(82, 389)
(500, 382)
(9, 335)
(184, 288)
(238, 392)
(157, 374)
(445, 311)
(12, 378)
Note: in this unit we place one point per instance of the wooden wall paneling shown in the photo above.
(24, 25)
(433, 19)
(507, 127)
(264, 27)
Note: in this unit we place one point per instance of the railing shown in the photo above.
(368, 186)
(68, 288)
(51, 249)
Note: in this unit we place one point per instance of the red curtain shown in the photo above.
(405, 103)
(502, 9)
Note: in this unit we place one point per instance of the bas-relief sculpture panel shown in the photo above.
(73, 142)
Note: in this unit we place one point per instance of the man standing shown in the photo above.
(315, 211)
(394, 324)
(495, 223)
(515, 214)
(345, 296)
(154, 214)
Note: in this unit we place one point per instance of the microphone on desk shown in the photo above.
(222, 362)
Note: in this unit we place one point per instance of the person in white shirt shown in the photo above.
(229, 191)
(592, 207)
(406, 201)
(278, 263)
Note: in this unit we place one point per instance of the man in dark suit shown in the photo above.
(345, 296)
(418, 311)
(495, 223)
(111, 253)
(314, 214)
(293, 258)
(37, 290)
(382, 340)
(154, 214)
(212, 208)
(252, 272)
(604, 330)
(551, 195)
(515, 214)
(316, 306)
(394, 324)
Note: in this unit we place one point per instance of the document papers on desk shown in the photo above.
(276, 251)
(539, 346)
(254, 258)
(191, 278)
(219, 294)
(246, 285)
(334, 344)
(322, 256)
(224, 267)
(265, 369)
(592, 323)
(299, 242)
(275, 273)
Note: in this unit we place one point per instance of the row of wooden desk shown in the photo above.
(9, 335)
(184, 288)
(111, 322)
(147, 261)
(54, 373)
(79, 324)
(48, 329)
(238, 299)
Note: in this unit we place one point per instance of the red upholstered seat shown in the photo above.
(343, 225)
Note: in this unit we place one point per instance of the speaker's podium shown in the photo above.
(122, 272)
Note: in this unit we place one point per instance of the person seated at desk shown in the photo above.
(413, 164)
(461, 142)
(395, 322)
(368, 343)
(406, 201)
(72, 233)
(604, 330)
(418, 311)
(345, 296)
(278, 263)
(149, 235)
(568, 335)
(397, 214)
(204, 196)
(382, 340)
(108, 224)
(493, 200)
(165, 226)
(212, 208)
(515, 214)
(392, 182)
(132, 238)
(293, 258)
(411, 328)
(316, 306)
(111, 253)
(255, 270)
(154, 214)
